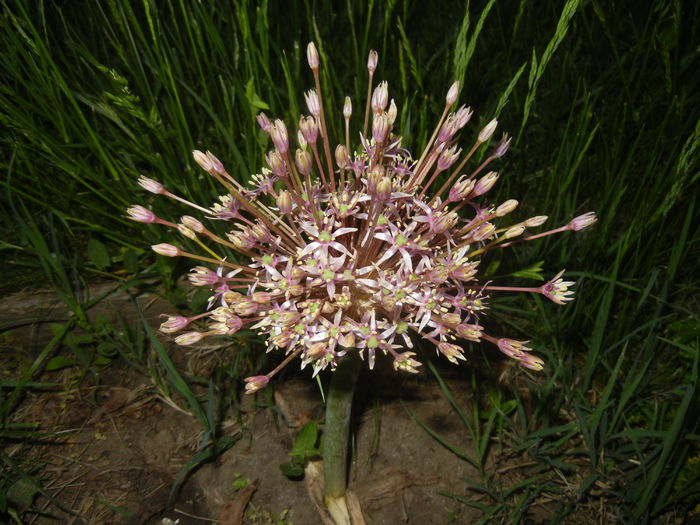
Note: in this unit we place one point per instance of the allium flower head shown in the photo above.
(364, 250)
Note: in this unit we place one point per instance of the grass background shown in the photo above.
(602, 99)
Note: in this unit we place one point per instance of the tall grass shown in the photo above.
(604, 100)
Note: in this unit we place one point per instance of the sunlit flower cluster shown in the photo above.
(360, 249)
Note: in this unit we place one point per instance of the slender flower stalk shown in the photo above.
(346, 262)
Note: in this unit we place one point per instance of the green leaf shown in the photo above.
(253, 99)
(98, 254)
(531, 272)
(59, 362)
(292, 470)
(305, 441)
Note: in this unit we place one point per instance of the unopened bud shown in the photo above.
(513, 232)
(488, 130)
(341, 156)
(275, 162)
(380, 97)
(582, 221)
(452, 94)
(451, 351)
(448, 157)
(301, 140)
(263, 122)
(392, 112)
(140, 214)
(485, 183)
(462, 116)
(380, 127)
(507, 207)
(166, 249)
(151, 185)
(192, 223)
(502, 146)
(284, 202)
(312, 102)
(461, 189)
(303, 161)
(217, 166)
(312, 56)
(470, 332)
(184, 230)
(347, 108)
(533, 222)
(189, 338)
(255, 383)
(372, 60)
(278, 133)
(309, 129)
(483, 232)
(384, 188)
(202, 159)
(174, 323)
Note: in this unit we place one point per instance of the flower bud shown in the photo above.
(166, 249)
(202, 159)
(284, 202)
(532, 362)
(278, 133)
(275, 162)
(582, 221)
(462, 187)
(192, 223)
(448, 157)
(140, 214)
(488, 130)
(372, 60)
(380, 97)
(312, 102)
(462, 116)
(483, 232)
(485, 183)
(174, 323)
(184, 230)
(341, 156)
(380, 127)
(151, 185)
(347, 108)
(303, 161)
(452, 94)
(263, 122)
(312, 56)
(502, 146)
(507, 207)
(384, 188)
(217, 166)
(392, 113)
(513, 232)
(189, 338)
(533, 222)
(448, 129)
(309, 129)
(262, 297)
(512, 348)
(255, 383)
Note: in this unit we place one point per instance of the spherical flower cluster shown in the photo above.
(359, 250)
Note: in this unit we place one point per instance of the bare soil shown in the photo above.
(120, 444)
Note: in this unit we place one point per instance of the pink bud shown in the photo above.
(372, 60)
(582, 221)
(278, 134)
(470, 332)
(192, 223)
(448, 157)
(485, 183)
(502, 146)
(166, 249)
(488, 130)
(174, 323)
(312, 56)
(303, 161)
(380, 128)
(189, 338)
(451, 351)
(341, 156)
(462, 187)
(276, 163)
(380, 97)
(140, 214)
(216, 164)
(151, 185)
(309, 129)
(284, 202)
(255, 383)
(263, 122)
(202, 159)
(312, 102)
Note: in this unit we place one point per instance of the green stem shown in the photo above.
(337, 427)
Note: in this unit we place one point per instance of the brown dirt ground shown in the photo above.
(120, 445)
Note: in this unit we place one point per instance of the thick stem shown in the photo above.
(337, 428)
